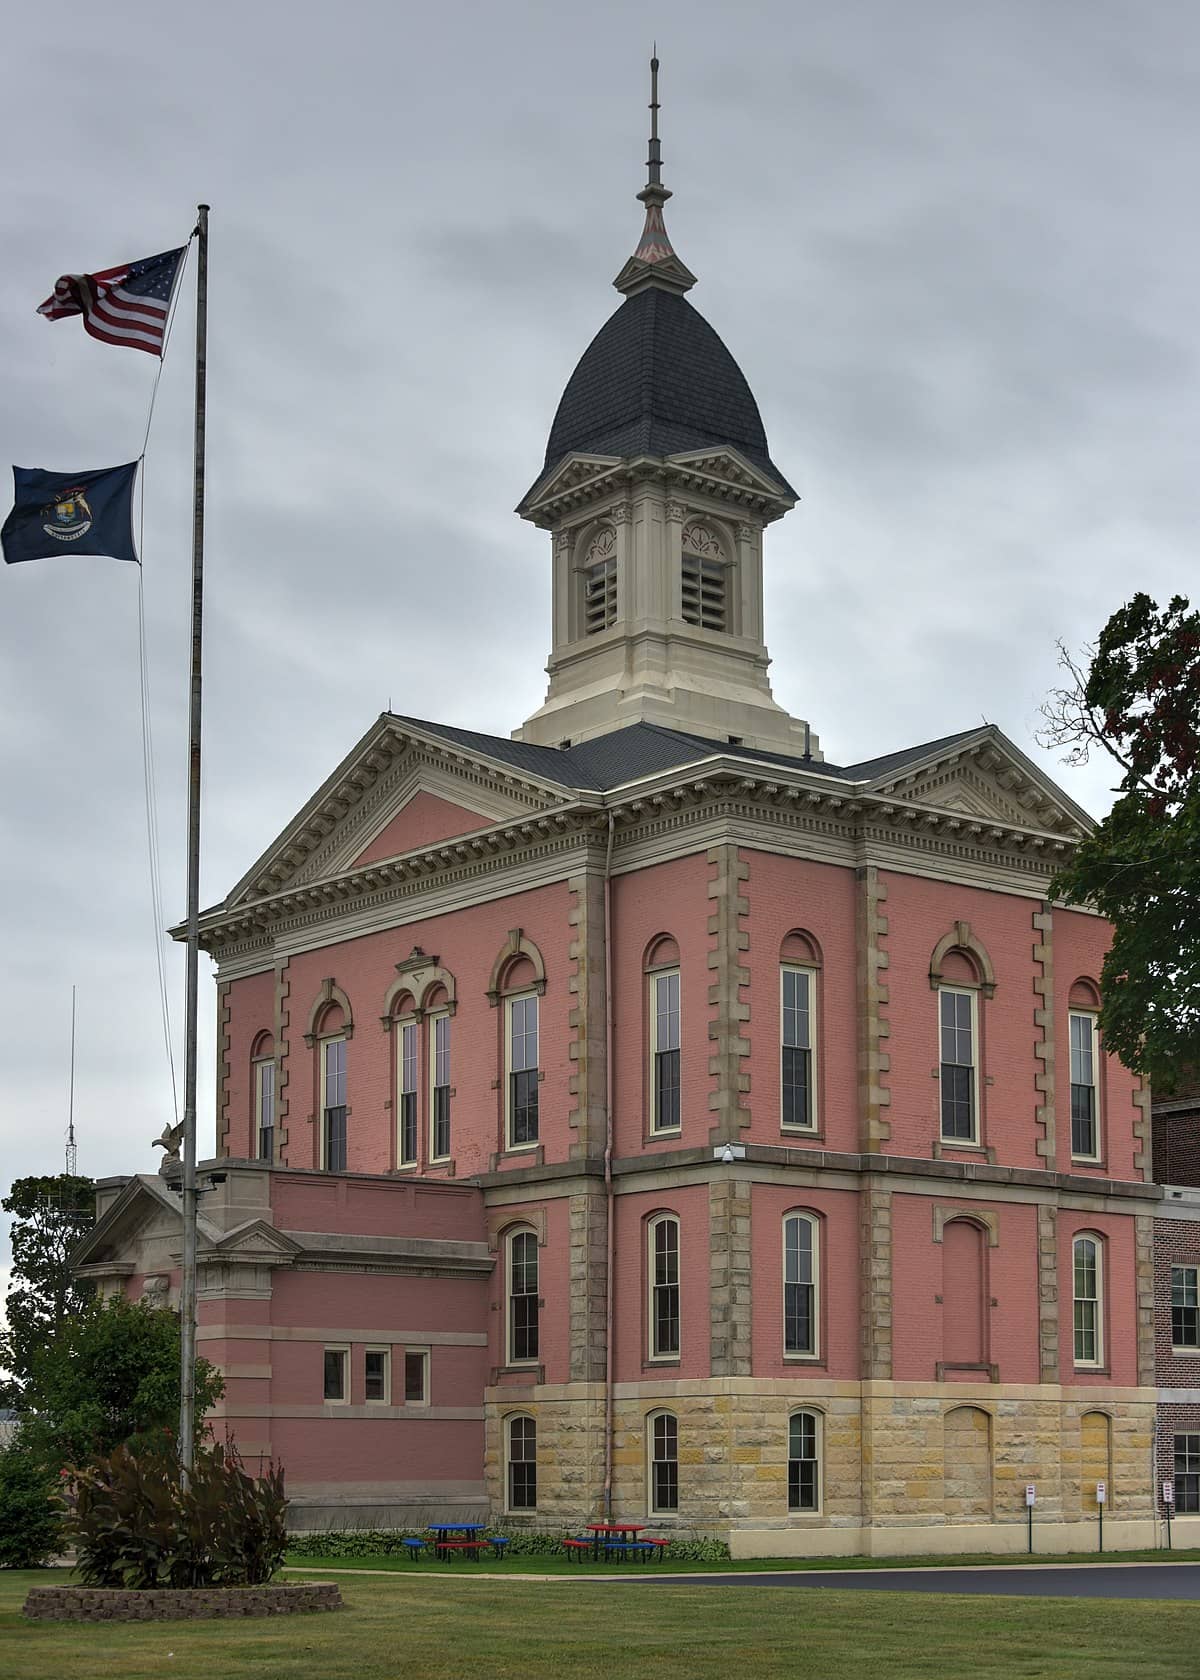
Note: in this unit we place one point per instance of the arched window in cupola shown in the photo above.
(598, 582)
(705, 577)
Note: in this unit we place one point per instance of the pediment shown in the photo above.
(145, 1211)
(728, 467)
(576, 475)
(986, 777)
(254, 1240)
(398, 791)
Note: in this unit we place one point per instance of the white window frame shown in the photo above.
(811, 976)
(652, 1506)
(818, 1418)
(656, 978)
(260, 1065)
(1094, 1026)
(323, 1047)
(434, 1020)
(510, 1240)
(973, 995)
(509, 1070)
(814, 1228)
(401, 1027)
(386, 1398)
(421, 1353)
(671, 1356)
(509, 1420)
(342, 1348)
(1186, 1348)
(1096, 1363)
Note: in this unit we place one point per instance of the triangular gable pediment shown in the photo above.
(986, 777)
(446, 789)
(255, 1239)
(576, 473)
(146, 1208)
(726, 466)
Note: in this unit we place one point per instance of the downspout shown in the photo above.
(610, 1223)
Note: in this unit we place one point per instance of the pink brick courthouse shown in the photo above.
(642, 1112)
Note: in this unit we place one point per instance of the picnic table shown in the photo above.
(449, 1538)
(608, 1536)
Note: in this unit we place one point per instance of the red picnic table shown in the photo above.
(605, 1534)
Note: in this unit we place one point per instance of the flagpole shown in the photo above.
(187, 1293)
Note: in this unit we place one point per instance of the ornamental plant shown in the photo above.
(134, 1524)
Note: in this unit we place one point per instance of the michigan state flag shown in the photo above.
(71, 513)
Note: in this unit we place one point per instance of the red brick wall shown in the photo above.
(1176, 1242)
(1177, 1147)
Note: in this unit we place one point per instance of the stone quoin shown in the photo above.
(643, 1113)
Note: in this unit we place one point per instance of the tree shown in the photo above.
(1140, 702)
(50, 1215)
(109, 1376)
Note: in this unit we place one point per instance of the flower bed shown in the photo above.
(162, 1604)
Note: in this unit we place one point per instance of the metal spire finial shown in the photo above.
(654, 263)
(654, 161)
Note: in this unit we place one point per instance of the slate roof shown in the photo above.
(642, 749)
(657, 380)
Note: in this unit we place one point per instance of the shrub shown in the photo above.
(30, 1523)
(133, 1524)
(359, 1543)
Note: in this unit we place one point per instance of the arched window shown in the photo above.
(1095, 1458)
(662, 981)
(801, 1283)
(798, 1029)
(522, 1463)
(262, 1075)
(598, 578)
(406, 1033)
(523, 1303)
(958, 1023)
(662, 1267)
(1087, 1254)
(663, 1431)
(439, 1082)
(964, 1291)
(331, 1042)
(704, 577)
(804, 1461)
(1083, 1028)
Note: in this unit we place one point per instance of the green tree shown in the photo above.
(29, 1516)
(50, 1215)
(108, 1376)
(1139, 700)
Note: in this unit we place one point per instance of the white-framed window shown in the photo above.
(1187, 1474)
(521, 1070)
(1087, 1255)
(665, 1115)
(804, 1461)
(801, 1285)
(662, 1429)
(416, 1376)
(523, 1303)
(521, 1453)
(1085, 1091)
(439, 1087)
(662, 1268)
(407, 1034)
(333, 1104)
(798, 1004)
(958, 1025)
(377, 1376)
(337, 1376)
(264, 1108)
(1185, 1306)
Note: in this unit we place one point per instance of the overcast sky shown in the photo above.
(951, 243)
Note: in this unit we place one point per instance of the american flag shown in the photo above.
(126, 305)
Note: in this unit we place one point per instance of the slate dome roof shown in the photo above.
(657, 380)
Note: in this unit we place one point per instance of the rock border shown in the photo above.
(163, 1604)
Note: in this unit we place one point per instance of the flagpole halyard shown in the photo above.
(187, 1293)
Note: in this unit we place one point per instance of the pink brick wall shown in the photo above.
(786, 895)
(669, 898)
(690, 1205)
(1120, 1300)
(554, 1343)
(919, 913)
(251, 1003)
(838, 1346)
(1080, 942)
(919, 1278)
(424, 821)
(380, 1207)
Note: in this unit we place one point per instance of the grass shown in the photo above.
(555, 1563)
(496, 1630)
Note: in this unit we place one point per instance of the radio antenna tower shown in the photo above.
(72, 1152)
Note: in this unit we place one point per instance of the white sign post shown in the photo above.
(1101, 1497)
(1030, 1502)
(1168, 1493)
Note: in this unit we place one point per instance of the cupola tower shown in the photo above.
(656, 490)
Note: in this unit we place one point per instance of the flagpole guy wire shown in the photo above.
(187, 1294)
(148, 767)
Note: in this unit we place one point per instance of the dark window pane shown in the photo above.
(1187, 1473)
(1083, 1120)
(376, 1375)
(441, 1120)
(335, 1374)
(958, 1101)
(523, 1297)
(798, 1318)
(666, 1090)
(522, 1464)
(414, 1376)
(266, 1144)
(335, 1139)
(408, 1127)
(523, 1105)
(664, 1481)
(797, 1083)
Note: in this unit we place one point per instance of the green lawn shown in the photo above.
(556, 1563)
(495, 1630)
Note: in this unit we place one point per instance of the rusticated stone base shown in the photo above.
(171, 1604)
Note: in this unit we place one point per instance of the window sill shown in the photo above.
(668, 1362)
(664, 1132)
(1190, 1351)
(816, 1359)
(811, 1134)
(1092, 1370)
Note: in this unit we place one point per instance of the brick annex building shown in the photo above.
(643, 1109)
